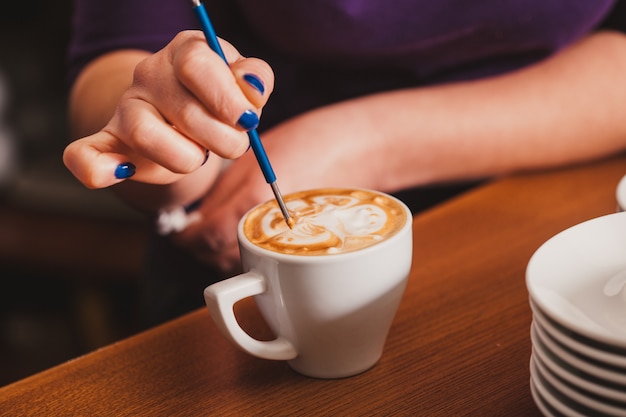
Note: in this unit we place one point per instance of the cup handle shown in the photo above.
(221, 297)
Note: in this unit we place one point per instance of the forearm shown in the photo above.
(93, 101)
(563, 110)
(97, 89)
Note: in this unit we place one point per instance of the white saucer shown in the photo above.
(540, 402)
(577, 343)
(578, 278)
(551, 400)
(608, 374)
(573, 375)
(577, 396)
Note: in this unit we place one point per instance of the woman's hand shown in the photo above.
(328, 147)
(184, 102)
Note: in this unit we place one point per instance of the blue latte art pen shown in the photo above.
(255, 141)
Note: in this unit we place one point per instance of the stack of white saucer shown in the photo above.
(577, 286)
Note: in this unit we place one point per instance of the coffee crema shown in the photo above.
(327, 221)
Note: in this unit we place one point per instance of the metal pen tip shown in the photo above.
(281, 203)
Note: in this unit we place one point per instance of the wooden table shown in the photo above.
(459, 344)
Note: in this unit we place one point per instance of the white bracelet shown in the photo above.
(175, 220)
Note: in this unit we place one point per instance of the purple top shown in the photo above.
(328, 50)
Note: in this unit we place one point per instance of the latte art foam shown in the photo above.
(327, 221)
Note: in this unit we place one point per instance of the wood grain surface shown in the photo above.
(459, 345)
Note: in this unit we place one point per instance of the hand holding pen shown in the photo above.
(154, 122)
(182, 102)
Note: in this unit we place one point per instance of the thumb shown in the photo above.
(255, 78)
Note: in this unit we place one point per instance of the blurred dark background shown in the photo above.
(70, 258)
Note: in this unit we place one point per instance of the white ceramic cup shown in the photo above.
(621, 195)
(577, 278)
(330, 313)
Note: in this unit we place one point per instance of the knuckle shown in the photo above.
(189, 114)
(141, 134)
(141, 72)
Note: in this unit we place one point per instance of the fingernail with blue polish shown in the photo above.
(255, 82)
(125, 170)
(248, 120)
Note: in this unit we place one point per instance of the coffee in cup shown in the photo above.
(329, 288)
